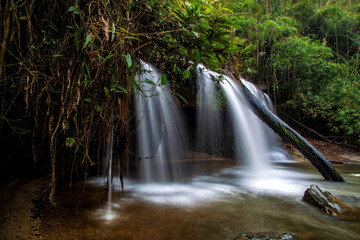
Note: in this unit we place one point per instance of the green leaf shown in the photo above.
(128, 60)
(131, 38)
(87, 40)
(148, 81)
(122, 29)
(23, 18)
(181, 97)
(88, 100)
(197, 54)
(137, 86)
(99, 56)
(123, 89)
(163, 79)
(119, 88)
(110, 56)
(106, 91)
(178, 70)
(235, 49)
(57, 55)
(186, 74)
(195, 64)
(71, 9)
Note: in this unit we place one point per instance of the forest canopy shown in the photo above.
(67, 67)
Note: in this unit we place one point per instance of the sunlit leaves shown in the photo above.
(186, 74)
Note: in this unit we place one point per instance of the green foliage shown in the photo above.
(305, 61)
(335, 24)
(275, 29)
(337, 103)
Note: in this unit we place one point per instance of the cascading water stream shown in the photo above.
(261, 96)
(276, 153)
(209, 120)
(109, 150)
(248, 129)
(161, 136)
(250, 142)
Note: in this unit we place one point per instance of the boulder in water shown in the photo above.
(326, 202)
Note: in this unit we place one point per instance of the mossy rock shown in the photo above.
(329, 204)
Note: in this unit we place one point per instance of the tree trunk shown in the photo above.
(267, 6)
(6, 28)
(295, 139)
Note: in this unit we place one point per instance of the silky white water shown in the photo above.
(209, 124)
(275, 152)
(161, 137)
(250, 142)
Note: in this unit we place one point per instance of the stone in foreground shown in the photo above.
(329, 204)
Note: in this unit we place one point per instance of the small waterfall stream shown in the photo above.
(108, 166)
(275, 152)
(209, 124)
(161, 135)
(250, 142)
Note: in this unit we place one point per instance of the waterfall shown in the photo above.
(209, 122)
(161, 136)
(108, 168)
(261, 96)
(275, 153)
(250, 143)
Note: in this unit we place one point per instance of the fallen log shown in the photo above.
(326, 169)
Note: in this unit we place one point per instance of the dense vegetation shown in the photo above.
(67, 67)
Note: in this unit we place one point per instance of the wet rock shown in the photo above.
(264, 236)
(329, 204)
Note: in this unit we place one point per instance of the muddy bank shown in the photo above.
(19, 211)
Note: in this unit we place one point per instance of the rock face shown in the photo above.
(329, 204)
